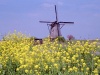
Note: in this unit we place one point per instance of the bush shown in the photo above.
(61, 39)
(70, 37)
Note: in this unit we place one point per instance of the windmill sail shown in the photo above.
(55, 29)
(56, 13)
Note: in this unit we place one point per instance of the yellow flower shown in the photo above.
(86, 73)
(73, 58)
(75, 69)
(70, 70)
(82, 60)
(95, 64)
(68, 61)
(17, 69)
(64, 58)
(84, 64)
(87, 68)
(98, 61)
(36, 66)
(0, 71)
(46, 67)
(96, 74)
(52, 60)
(77, 49)
(82, 69)
(26, 71)
(56, 65)
(64, 68)
(95, 71)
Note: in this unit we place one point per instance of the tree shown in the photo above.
(70, 37)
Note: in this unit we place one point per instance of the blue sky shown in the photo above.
(24, 16)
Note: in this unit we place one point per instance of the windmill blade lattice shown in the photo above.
(67, 22)
(45, 22)
(55, 26)
(56, 13)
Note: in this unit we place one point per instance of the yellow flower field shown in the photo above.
(19, 56)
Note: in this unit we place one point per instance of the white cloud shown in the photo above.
(51, 3)
(60, 3)
(97, 15)
(47, 5)
(32, 14)
(4, 2)
(91, 6)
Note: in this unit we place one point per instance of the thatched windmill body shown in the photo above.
(55, 27)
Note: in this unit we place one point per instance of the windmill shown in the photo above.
(55, 27)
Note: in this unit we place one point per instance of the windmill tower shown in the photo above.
(55, 27)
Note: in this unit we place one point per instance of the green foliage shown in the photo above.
(18, 56)
(61, 39)
(16, 36)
